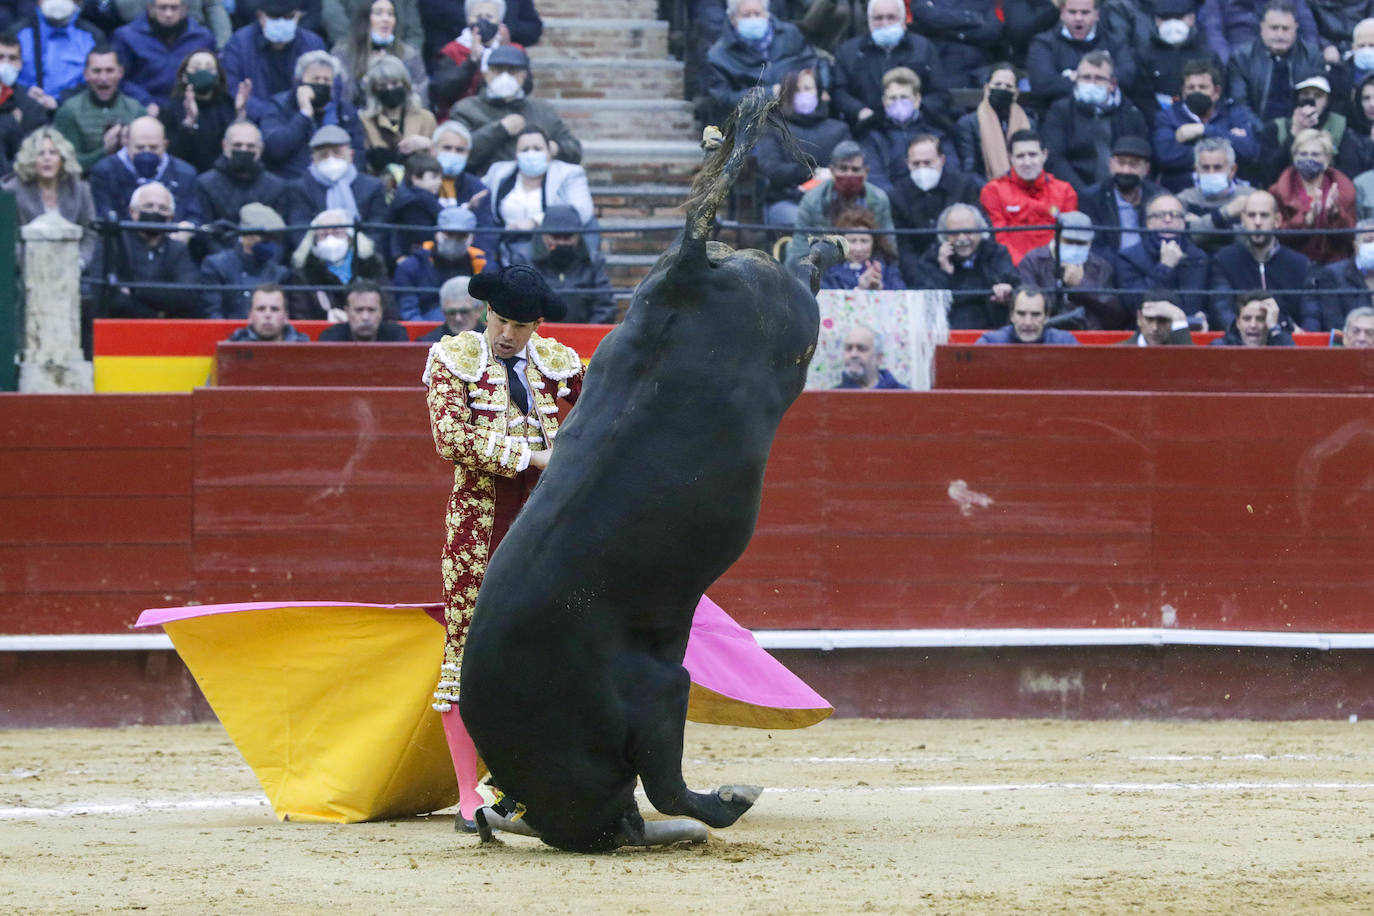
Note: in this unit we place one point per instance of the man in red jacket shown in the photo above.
(1026, 196)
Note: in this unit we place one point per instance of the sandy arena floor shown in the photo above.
(860, 816)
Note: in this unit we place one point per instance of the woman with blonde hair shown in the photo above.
(1314, 195)
(47, 177)
(394, 123)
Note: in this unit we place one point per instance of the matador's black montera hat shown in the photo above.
(518, 293)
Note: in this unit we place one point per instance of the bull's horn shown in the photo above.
(487, 820)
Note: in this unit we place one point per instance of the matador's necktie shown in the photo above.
(517, 385)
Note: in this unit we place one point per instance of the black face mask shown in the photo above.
(1000, 101)
(148, 216)
(1126, 182)
(242, 162)
(562, 257)
(394, 97)
(323, 93)
(1199, 103)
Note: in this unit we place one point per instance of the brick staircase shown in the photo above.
(604, 64)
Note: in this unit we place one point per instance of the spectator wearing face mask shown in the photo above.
(255, 258)
(884, 137)
(1071, 265)
(297, 114)
(1355, 278)
(144, 160)
(1081, 129)
(502, 111)
(64, 38)
(332, 255)
(1054, 54)
(450, 143)
(815, 133)
(375, 35)
(238, 179)
(457, 70)
(1215, 201)
(148, 256)
(983, 136)
(522, 190)
(153, 46)
(394, 123)
(847, 187)
(932, 184)
(1171, 39)
(862, 61)
(430, 267)
(265, 53)
(757, 49)
(23, 108)
(1203, 112)
(200, 110)
(1313, 194)
(1119, 201)
(573, 270)
(332, 182)
(1353, 154)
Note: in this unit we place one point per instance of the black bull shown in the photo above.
(572, 680)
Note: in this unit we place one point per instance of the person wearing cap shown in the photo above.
(364, 317)
(457, 69)
(1354, 154)
(1053, 56)
(1203, 111)
(1026, 196)
(523, 188)
(461, 312)
(1168, 36)
(1215, 201)
(1072, 265)
(1081, 128)
(265, 53)
(450, 255)
(256, 258)
(1029, 322)
(153, 45)
(1256, 260)
(238, 177)
(1119, 200)
(1263, 72)
(493, 411)
(562, 255)
(267, 318)
(502, 110)
(294, 117)
(330, 256)
(1160, 322)
(333, 182)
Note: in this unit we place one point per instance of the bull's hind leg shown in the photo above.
(658, 702)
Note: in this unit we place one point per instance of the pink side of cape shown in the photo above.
(722, 656)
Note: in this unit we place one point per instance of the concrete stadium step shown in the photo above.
(620, 38)
(599, 9)
(627, 119)
(618, 201)
(606, 78)
(629, 162)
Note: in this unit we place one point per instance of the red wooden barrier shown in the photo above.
(1293, 369)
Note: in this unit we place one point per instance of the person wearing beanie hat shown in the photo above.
(452, 254)
(255, 258)
(1071, 265)
(492, 407)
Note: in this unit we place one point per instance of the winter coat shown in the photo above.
(286, 133)
(221, 194)
(1050, 54)
(966, 32)
(1101, 311)
(248, 56)
(884, 143)
(1009, 201)
(816, 134)
(913, 208)
(149, 61)
(421, 269)
(204, 143)
(1251, 65)
(1081, 138)
(1174, 160)
(860, 64)
(232, 267)
(113, 183)
(587, 271)
(989, 266)
(1234, 268)
(1139, 269)
(491, 142)
(733, 66)
(136, 261)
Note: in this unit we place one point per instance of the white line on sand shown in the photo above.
(150, 806)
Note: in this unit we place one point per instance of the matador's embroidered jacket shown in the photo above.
(489, 441)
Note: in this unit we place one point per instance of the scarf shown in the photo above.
(996, 156)
(339, 195)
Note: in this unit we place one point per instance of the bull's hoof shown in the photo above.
(739, 798)
(463, 825)
(488, 820)
(666, 833)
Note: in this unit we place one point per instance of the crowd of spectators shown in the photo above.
(1206, 148)
(1093, 151)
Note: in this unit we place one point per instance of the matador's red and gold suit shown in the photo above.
(489, 441)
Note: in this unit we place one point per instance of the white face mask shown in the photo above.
(503, 86)
(1364, 257)
(332, 168)
(57, 10)
(1174, 31)
(1069, 253)
(331, 249)
(8, 74)
(925, 178)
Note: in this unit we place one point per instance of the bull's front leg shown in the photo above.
(658, 703)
